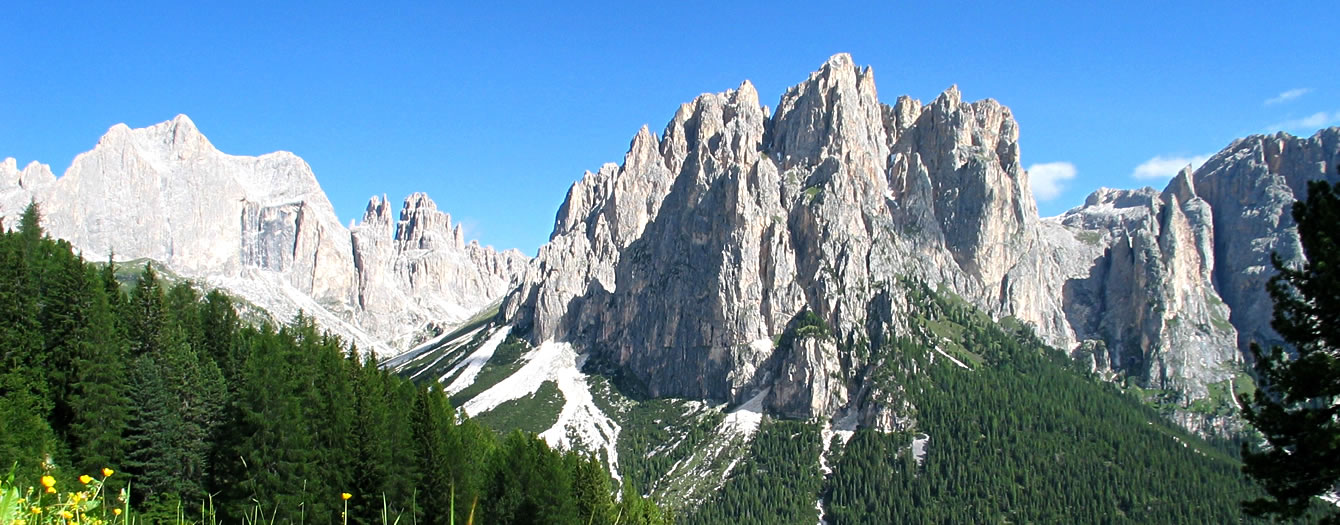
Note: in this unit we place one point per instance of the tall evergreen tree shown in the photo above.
(99, 404)
(1298, 406)
(432, 424)
(26, 437)
(144, 313)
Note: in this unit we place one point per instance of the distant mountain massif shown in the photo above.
(262, 229)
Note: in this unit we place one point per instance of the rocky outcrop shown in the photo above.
(684, 263)
(262, 228)
(1150, 297)
(1251, 186)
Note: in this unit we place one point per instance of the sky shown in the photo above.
(495, 108)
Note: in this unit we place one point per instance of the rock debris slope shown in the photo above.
(262, 228)
(684, 264)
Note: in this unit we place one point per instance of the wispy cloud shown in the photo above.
(1287, 96)
(1048, 179)
(1311, 122)
(1161, 167)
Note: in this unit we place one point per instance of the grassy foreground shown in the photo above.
(88, 504)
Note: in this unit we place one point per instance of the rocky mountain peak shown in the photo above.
(423, 227)
(377, 216)
(691, 261)
(32, 176)
(836, 109)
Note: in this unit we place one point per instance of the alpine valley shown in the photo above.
(835, 309)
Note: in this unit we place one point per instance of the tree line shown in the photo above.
(200, 411)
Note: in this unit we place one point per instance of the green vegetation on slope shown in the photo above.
(198, 409)
(505, 361)
(533, 414)
(1024, 437)
(777, 483)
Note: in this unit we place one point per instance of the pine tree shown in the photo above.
(25, 394)
(432, 423)
(144, 317)
(1298, 406)
(99, 404)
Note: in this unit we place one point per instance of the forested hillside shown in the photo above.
(195, 409)
(1012, 431)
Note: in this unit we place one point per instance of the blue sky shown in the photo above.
(495, 110)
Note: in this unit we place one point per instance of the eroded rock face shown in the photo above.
(262, 228)
(686, 261)
(711, 239)
(1251, 186)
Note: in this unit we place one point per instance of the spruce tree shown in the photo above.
(26, 439)
(1297, 407)
(99, 403)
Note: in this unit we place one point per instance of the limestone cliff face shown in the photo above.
(684, 263)
(1150, 297)
(1179, 293)
(1251, 186)
(417, 271)
(262, 228)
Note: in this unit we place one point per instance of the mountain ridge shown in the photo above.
(683, 264)
(262, 228)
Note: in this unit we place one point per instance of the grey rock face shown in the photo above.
(262, 228)
(1251, 186)
(683, 263)
(1150, 298)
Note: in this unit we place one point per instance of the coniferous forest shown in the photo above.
(200, 413)
(1026, 436)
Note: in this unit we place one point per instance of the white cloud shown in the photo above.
(1311, 122)
(1161, 167)
(1047, 179)
(1287, 96)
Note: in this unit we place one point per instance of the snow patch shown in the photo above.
(580, 422)
(745, 419)
(951, 358)
(475, 362)
(1332, 497)
(919, 447)
(406, 359)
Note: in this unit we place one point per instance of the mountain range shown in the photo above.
(700, 267)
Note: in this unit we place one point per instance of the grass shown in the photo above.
(659, 434)
(89, 504)
(499, 367)
(51, 505)
(535, 413)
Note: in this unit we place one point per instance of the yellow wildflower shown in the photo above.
(51, 490)
(116, 511)
(66, 514)
(48, 481)
(37, 510)
(107, 473)
(85, 479)
(345, 496)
